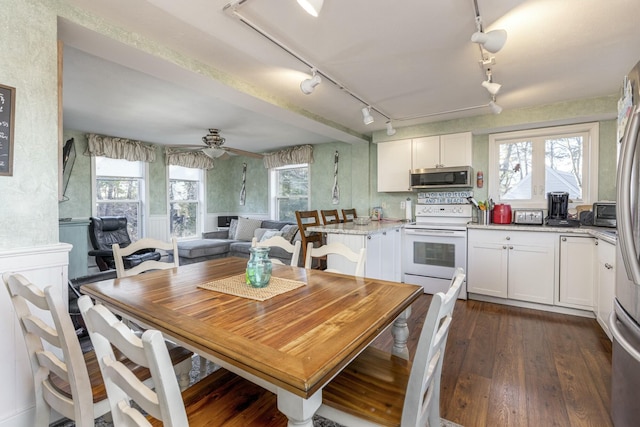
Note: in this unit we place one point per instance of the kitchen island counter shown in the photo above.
(350, 228)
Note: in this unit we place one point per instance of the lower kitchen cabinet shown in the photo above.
(383, 253)
(605, 283)
(577, 272)
(517, 265)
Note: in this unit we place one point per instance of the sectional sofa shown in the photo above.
(236, 241)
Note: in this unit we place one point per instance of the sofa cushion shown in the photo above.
(269, 234)
(233, 228)
(276, 225)
(259, 233)
(246, 228)
(289, 231)
(203, 247)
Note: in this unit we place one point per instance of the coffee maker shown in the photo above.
(558, 210)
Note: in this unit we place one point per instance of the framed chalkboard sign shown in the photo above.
(7, 107)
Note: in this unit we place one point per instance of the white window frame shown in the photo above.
(273, 196)
(201, 204)
(538, 200)
(144, 196)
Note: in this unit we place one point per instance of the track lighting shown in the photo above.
(495, 108)
(366, 114)
(308, 85)
(312, 7)
(390, 130)
(492, 87)
(492, 41)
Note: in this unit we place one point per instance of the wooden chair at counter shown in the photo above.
(378, 388)
(307, 219)
(348, 215)
(330, 216)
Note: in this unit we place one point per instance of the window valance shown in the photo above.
(289, 156)
(120, 148)
(188, 159)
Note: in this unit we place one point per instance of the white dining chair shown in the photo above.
(378, 388)
(280, 242)
(338, 249)
(146, 243)
(65, 379)
(221, 398)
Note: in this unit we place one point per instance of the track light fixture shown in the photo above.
(366, 114)
(488, 84)
(308, 85)
(390, 130)
(492, 41)
(495, 108)
(312, 7)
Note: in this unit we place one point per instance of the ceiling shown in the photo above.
(412, 61)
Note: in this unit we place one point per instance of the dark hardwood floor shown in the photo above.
(509, 366)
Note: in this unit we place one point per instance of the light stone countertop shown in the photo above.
(603, 233)
(350, 228)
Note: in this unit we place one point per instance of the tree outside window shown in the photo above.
(185, 194)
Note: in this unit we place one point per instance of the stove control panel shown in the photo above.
(444, 210)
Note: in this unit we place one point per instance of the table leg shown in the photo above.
(400, 333)
(299, 411)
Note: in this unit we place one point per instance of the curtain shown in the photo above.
(120, 148)
(188, 159)
(289, 156)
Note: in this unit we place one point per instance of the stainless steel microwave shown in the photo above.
(451, 177)
(604, 214)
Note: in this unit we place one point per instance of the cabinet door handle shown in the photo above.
(504, 247)
(596, 242)
(564, 239)
(510, 247)
(608, 266)
(369, 237)
(508, 238)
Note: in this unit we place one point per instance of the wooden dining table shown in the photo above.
(293, 343)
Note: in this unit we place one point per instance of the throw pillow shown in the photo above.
(269, 234)
(260, 232)
(246, 228)
(233, 227)
(289, 231)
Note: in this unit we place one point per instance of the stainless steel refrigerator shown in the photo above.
(625, 318)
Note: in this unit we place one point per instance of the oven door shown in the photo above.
(430, 257)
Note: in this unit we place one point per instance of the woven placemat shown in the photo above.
(236, 285)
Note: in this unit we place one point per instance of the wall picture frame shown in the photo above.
(7, 121)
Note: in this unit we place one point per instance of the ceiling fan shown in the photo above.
(215, 147)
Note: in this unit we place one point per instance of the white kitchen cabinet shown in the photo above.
(577, 260)
(442, 151)
(605, 283)
(394, 163)
(517, 265)
(383, 253)
(397, 158)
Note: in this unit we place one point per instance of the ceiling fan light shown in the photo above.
(493, 88)
(213, 152)
(308, 85)
(492, 41)
(390, 130)
(366, 114)
(495, 108)
(312, 7)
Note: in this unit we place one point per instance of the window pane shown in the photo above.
(180, 172)
(183, 190)
(293, 182)
(117, 189)
(118, 167)
(563, 161)
(184, 219)
(286, 208)
(515, 161)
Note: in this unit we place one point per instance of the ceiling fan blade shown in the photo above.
(244, 153)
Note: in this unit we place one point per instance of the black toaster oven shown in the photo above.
(604, 214)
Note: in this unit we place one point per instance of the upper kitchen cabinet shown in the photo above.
(394, 163)
(396, 158)
(442, 151)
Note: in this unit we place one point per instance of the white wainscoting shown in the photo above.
(158, 227)
(44, 266)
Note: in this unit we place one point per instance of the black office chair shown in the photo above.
(107, 230)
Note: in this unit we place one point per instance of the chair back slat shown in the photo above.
(338, 249)
(120, 253)
(280, 242)
(330, 216)
(348, 215)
